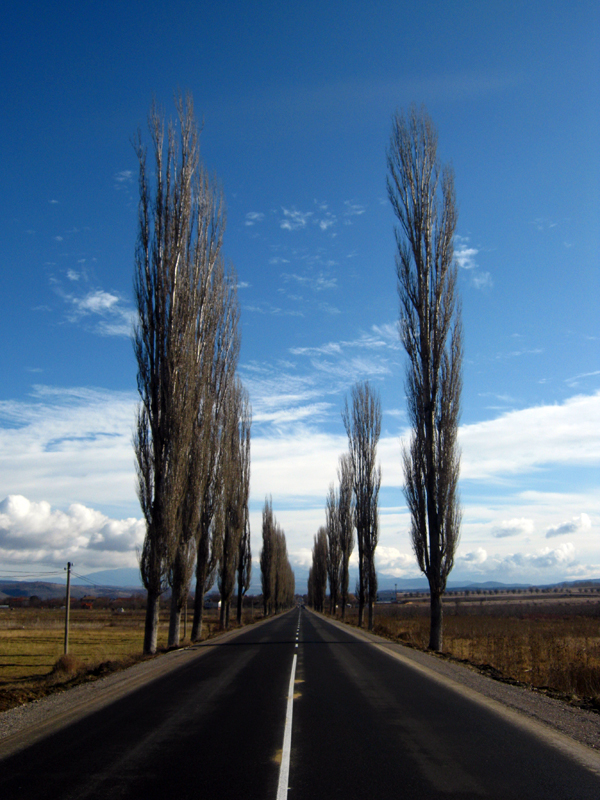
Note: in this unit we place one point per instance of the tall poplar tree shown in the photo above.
(422, 195)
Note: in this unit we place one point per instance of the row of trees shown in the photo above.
(277, 576)
(352, 506)
(192, 437)
(421, 192)
(333, 544)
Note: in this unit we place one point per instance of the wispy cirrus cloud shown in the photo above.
(322, 218)
(352, 209)
(531, 351)
(380, 337)
(106, 311)
(482, 280)
(544, 223)
(576, 379)
(317, 283)
(465, 255)
(69, 444)
(264, 307)
(327, 308)
(294, 219)
(253, 217)
(124, 176)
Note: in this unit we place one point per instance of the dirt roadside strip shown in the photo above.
(555, 716)
(26, 724)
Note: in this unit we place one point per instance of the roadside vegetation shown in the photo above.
(32, 662)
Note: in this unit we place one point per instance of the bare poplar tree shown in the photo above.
(334, 547)
(267, 556)
(170, 266)
(216, 347)
(310, 588)
(422, 195)
(244, 557)
(234, 492)
(208, 452)
(280, 573)
(318, 573)
(277, 575)
(345, 511)
(363, 426)
(244, 567)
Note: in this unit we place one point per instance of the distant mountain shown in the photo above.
(52, 591)
(113, 577)
(112, 583)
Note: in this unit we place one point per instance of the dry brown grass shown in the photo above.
(32, 662)
(554, 649)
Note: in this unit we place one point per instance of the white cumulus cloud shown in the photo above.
(581, 522)
(35, 533)
(513, 527)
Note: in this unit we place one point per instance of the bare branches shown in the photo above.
(317, 576)
(277, 576)
(235, 490)
(346, 523)
(423, 199)
(363, 426)
(181, 290)
(334, 550)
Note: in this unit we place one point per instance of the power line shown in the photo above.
(84, 578)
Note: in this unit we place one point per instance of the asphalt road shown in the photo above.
(364, 725)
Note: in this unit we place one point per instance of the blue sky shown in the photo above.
(296, 103)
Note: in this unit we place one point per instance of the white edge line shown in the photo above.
(284, 769)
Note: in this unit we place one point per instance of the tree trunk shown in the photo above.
(240, 600)
(174, 619)
(371, 613)
(435, 631)
(343, 608)
(198, 613)
(151, 625)
(361, 591)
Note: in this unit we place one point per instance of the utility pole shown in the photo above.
(67, 606)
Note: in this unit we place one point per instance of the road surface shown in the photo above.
(360, 724)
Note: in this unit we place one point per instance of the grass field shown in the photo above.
(32, 646)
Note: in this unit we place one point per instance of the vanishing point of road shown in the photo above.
(298, 707)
